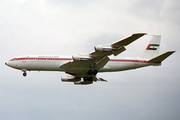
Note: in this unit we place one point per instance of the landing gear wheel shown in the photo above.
(95, 72)
(85, 79)
(90, 72)
(90, 79)
(24, 74)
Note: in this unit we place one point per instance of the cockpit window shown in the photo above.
(14, 59)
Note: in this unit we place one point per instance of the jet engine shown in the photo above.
(105, 48)
(81, 58)
(70, 78)
(83, 82)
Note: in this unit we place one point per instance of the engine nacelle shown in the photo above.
(83, 83)
(105, 48)
(81, 58)
(69, 78)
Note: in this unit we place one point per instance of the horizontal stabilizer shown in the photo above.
(161, 57)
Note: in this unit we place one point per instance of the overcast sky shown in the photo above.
(67, 27)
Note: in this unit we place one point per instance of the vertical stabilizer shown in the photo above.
(152, 48)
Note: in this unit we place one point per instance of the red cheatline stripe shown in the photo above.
(114, 60)
(32, 58)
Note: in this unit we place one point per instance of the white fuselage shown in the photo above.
(53, 63)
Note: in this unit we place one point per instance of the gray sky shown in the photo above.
(62, 27)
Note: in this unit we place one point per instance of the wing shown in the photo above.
(116, 47)
(98, 58)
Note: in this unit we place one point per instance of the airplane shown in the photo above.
(82, 69)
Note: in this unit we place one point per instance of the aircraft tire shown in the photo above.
(85, 79)
(90, 72)
(95, 72)
(90, 79)
(24, 74)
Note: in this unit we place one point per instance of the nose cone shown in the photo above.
(6, 63)
(12, 64)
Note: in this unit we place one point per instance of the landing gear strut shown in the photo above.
(24, 74)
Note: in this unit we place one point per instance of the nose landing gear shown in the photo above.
(24, 73)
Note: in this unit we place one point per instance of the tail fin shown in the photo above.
(161, 57)
(152, 49)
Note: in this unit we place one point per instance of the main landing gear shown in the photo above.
(88, 79)
(90, 73)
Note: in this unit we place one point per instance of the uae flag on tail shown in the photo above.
(152, 47)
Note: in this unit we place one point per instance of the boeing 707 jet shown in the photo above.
(83, 68)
